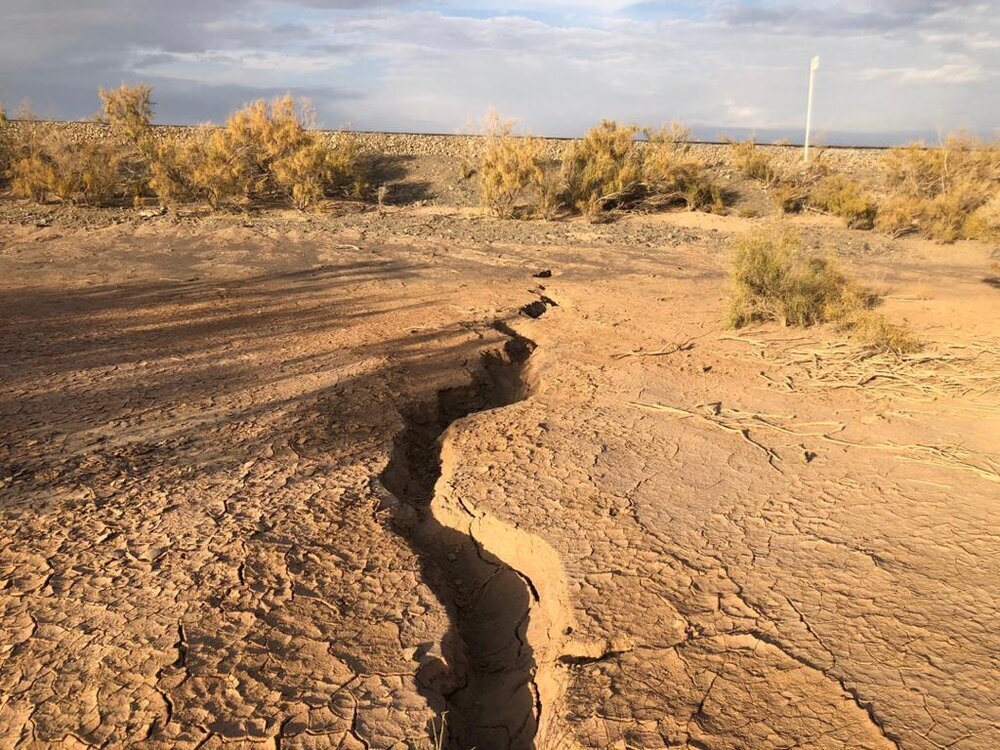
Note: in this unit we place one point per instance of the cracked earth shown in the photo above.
(334, 483)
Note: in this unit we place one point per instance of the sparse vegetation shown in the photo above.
(673, 175)
(609, 169)
(512, 172)
(264, 152)
(752, 162)
(605, 162)
(5, 144)
(841, 196)
(945, 193)
(774, 278)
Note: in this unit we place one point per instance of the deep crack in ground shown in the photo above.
(485, 677)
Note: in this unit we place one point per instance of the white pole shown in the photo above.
(813, 65)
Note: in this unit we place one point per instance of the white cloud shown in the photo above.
(556, 65)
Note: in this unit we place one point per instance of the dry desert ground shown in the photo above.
(336, 479)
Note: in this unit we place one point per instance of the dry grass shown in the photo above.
(841, 196)
(605, 162)
(876, 335)
(264, 153)
(608, 169)
(945, 193)
(773, 278)
(512, 174)
(751, 161)
(46, 163)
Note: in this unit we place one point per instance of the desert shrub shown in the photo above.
(791, 197)
(45, 161)
(264, 152)
(608, 169)
(605, 162)
(984, 222)
(751, 161)
(128, 113)
(774, 278)
(550, 194)
(85, 172)
(943, 193)
(841, 196)
(876, 335)
(5, 142)
(511, 168)
(672, 175)
(172, 168)
(28, 170)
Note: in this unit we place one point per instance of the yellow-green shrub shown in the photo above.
(751, 161)
(672, 175)
(774, 278)
(608, 168)
(604, 162)
(841, 196)
(942, 193)
(511, 170)
(264, 151)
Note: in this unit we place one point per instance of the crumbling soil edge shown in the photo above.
(497, 672)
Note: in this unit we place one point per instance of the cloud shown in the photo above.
(949, 73)
(556, 65)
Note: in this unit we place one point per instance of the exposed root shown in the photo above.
(743, 423)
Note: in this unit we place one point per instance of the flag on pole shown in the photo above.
(814, 65)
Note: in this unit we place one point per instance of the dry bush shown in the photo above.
(46, 162)
(264, 152)
(773, 279)
(751, 161)
(510, 167)
(608, 169)
(841, 196)
(551, 189)
(605, 162)
(943, 193)
(5, 143)
(128, 113)
(172, 167)
(791, 197)
(29, 172)
(672, 175)
(83, 173)
(876, 335)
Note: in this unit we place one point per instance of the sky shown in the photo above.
(890, 70)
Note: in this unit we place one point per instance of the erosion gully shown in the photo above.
(495, 680)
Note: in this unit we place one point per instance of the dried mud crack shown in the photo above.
(494, 676)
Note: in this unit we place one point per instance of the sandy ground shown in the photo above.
(310, 482)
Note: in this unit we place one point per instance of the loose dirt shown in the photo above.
(337, 480)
